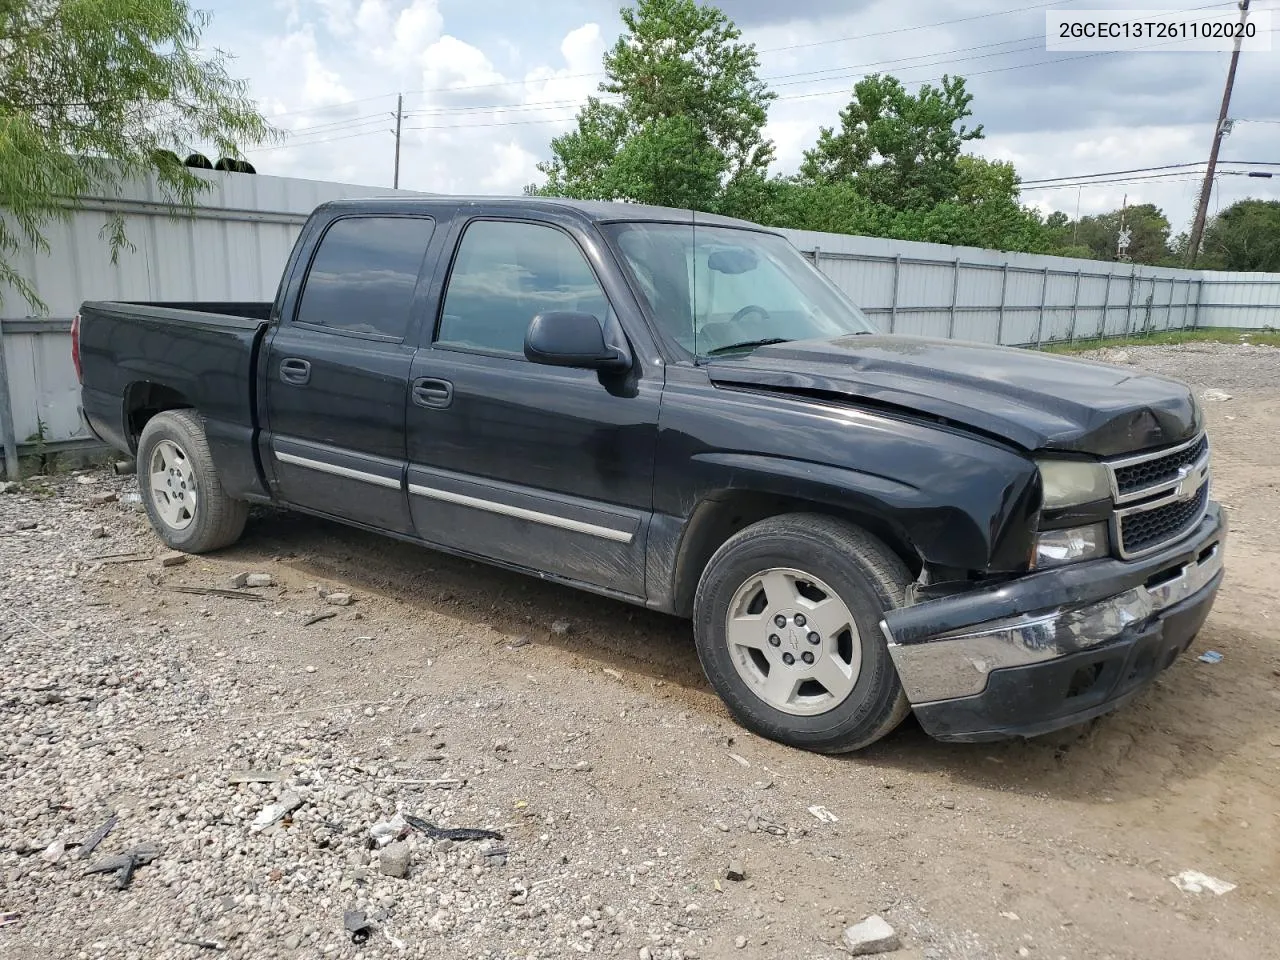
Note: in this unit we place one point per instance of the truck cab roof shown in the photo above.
(596, 211)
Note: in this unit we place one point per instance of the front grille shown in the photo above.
(1150, 528)
(1151, 473)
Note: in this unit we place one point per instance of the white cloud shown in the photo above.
(500, 79)
(451, 64)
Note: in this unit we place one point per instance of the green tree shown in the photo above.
(1149, 240)
(901, 150)
(684, 121)
(96, 92)
(1245, 236)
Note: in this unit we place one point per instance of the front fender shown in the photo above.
(957, 500)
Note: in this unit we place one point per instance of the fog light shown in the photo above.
(1056, 547)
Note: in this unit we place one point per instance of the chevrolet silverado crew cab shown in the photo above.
(679, 411)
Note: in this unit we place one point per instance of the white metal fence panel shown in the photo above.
(234, 246)
(1021, 299)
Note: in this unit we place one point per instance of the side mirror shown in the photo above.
(566, 339)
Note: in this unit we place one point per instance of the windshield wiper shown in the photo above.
(747, 345)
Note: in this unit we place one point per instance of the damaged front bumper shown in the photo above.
(1055, 648)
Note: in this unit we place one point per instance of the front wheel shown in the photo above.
(180, 488)
(787, 625)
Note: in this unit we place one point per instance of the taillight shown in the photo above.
(75, 347)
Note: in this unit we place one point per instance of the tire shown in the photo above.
(802, 559)
(180, 488)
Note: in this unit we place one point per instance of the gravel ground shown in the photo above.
(583, 732)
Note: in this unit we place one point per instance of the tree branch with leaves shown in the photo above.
(680, 119)
(95, 93)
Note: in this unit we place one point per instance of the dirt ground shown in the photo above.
(1061, 847)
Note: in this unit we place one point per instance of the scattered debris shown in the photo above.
(518, 642)
(440, 783)
(1193, 881)
(741, 761)
(120, 558)
(327, 615)
(582, 766)
(259, 580)
(397, 828)
(759, 823)
(947, 803)
(1215, 395)
(613, 673)
(238, 582)
(823, 814)
(740, 942)
(27, 524)
(124, 864)
(393, 861)
(358, 925)
(449, 833)
(8, 917)
(54, 851)
(735, 872)
(97, 533)
(1009, 915)
(288, 802)
(173, 558)
(872, 935)
(1210, 656)
(98, 499)
(203, 944)
(339, 599)
(90, 843)
(255, 776)
(216, 592)
(561, 628)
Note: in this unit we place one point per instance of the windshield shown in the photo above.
(720, 290)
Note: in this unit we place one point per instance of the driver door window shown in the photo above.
(505, 274)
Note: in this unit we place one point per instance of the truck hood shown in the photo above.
(1033, 400)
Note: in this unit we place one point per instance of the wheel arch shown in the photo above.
(143, 399)
(720, 516)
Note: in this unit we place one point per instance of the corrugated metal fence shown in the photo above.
(236, 243)
(1024, 300)
(233, 247)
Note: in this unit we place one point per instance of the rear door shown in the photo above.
(547, 467)
(338, 369)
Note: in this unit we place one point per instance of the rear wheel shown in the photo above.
(180, 488)
(786, 620)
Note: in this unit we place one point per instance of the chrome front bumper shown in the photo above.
(958, 663)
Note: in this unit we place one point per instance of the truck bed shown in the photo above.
(135, 354)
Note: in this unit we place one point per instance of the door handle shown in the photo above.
(295, 371)
(429, 392)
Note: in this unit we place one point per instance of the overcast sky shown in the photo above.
(488, 83)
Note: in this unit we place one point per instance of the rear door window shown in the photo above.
(363, 276)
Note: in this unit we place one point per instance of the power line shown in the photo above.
(1167, 166)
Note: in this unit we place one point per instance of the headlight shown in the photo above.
(1056, 547)
(1068, 483)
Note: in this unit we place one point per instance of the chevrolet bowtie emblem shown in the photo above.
(1190, 480)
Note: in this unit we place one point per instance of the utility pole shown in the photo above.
(1220, 131)
(395, 183)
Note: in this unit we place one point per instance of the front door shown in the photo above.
(338, 371)
(546, 467)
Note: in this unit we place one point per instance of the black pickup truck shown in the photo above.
(680, 412)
